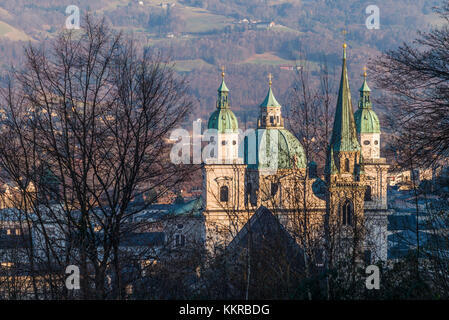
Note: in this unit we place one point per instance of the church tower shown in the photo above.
(223, 171)
(270, 115)
(224, 121)
(367, 123)
(344, 174)
(376, 168)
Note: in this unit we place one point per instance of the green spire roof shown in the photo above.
(365, 87)
(365, 118)
(223, 119)
(270, 100)
(344, 136)
(223, 87)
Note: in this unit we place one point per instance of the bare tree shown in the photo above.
(415, 78)
(92, 112)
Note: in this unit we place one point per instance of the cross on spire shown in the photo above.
(222, 71)
(270, 78)
(344, 32)
(364, 71)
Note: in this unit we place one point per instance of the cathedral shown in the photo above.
(268, 168)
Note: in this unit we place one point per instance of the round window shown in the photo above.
(366, 142)
(234, 142)
(223, 142)
(376, 142)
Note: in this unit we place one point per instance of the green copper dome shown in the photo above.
(290, 153)
(223, 119)
(366, 121)
(365, 118)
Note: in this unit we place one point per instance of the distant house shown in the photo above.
(265, 24)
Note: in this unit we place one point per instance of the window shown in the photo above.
(180, 226)
(271, 119)
(234, 142)
(180, 240)
(274, 188)
(368, 193)
(366, 142)
(347, 213)
(264, 120)
(223, 142)
(224, 194)
(347, 165)
(376, 142)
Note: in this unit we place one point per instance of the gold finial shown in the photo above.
(270, 78)
(222, 71)
(364, 72)
(344, 32)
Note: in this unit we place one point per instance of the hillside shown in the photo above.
(250, 37)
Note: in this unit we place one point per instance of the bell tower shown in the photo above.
(376, 168)
(367, 124)
(345, 176)
(223, 171)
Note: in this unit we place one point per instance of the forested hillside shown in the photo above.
(249, 37)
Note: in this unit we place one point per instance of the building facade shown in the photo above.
(267, 167)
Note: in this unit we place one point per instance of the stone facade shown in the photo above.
(351, 199)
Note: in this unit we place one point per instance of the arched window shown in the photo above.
(347, 213)
(224, 194)
(368, 193)
(347, 165)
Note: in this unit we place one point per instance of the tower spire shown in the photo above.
(364, 102)
(223, 91)
(344, 136)
(270, 109)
